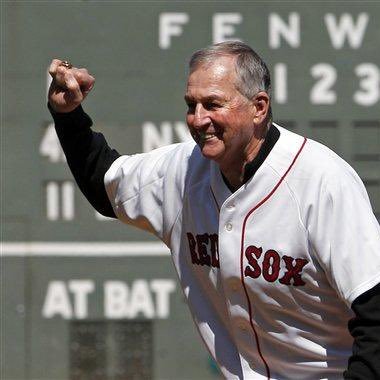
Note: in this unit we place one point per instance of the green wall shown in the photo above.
(72, 281)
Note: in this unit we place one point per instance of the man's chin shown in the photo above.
(211, 154)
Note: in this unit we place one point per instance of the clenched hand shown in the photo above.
(69, 86)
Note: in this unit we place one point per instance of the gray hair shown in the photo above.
(252, 72)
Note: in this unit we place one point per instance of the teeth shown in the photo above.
(206, 136)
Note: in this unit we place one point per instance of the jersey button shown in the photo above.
(231, 207)
(228, 227)
(242, 326)
(235, 285)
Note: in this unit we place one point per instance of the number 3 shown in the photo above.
(369, 91)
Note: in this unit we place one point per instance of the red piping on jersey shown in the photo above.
(242, 255)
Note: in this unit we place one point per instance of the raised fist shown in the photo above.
(69, 87)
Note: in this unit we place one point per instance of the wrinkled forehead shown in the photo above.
(210, 59)
(219, 71)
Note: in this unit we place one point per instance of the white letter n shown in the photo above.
(289, 32)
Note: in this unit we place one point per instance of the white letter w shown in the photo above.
(345, 28)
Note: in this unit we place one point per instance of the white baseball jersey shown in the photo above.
(269, 271)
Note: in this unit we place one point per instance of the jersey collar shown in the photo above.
(251, 167)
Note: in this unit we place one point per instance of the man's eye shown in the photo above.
(191, 107)
(211, 106)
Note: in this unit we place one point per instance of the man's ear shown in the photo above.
(261, 102)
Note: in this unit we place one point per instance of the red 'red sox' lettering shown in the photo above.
(254, 269)
(271, 265)
(293, 271)
(204, 249)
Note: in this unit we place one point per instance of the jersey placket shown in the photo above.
(230, 227)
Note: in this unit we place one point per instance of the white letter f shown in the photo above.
(170, 25)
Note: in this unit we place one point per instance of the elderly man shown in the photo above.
(272, 234)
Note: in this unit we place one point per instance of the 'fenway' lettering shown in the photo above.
(270, 266)
(204, 249)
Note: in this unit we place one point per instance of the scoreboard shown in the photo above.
(84, 296)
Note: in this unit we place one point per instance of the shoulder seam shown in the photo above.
(292, 194)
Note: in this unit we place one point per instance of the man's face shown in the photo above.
(219, 117)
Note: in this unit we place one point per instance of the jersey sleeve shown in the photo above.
(146, 190)
(345, 234)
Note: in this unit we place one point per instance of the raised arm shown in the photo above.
(87, 152)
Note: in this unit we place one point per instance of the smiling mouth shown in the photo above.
(205, 136)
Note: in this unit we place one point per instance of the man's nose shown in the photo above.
(201, 116)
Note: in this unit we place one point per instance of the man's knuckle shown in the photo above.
(73, 86)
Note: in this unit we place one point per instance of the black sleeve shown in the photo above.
(364, 364)
(88, 156)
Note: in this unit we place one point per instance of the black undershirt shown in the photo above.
(365, 329)
(251, 167)
(89, 157)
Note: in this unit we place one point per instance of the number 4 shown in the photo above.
(50, 146)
